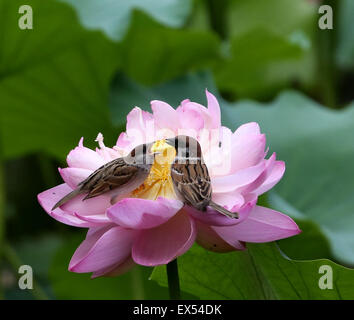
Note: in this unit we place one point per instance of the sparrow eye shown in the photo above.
(132, 153)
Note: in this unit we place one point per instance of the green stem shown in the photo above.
(2, 209)
(217, 11)
(15, 261)
(138, 285)
(173, 280)
(326, 44)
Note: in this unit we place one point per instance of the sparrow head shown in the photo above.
(142, 155)
(185, 146)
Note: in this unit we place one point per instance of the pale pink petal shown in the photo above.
(142, 213)
(229, 200)
(214, 110)
(218, 157)
(262, 225)
(247, 151)
(210, 240)
(73, 176)
(93, 219)
(238, 179)
(250, 128)
(50, 197)
(108, 154)
(136, 125)
(189, 118)
(195, 109)
(184, 102)
(124, 141)
(164, 115)
(164, 243)
(275, 175)
(135, 120)
(85, 158)
(103, 249)
(115, 270)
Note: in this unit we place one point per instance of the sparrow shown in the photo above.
(119, 176)
(190, 176)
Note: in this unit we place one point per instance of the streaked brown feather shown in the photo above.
(110, 176)
(192, 181)
(191, 178)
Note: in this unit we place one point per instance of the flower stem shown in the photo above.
(137, 280)
(2, 210)
(173, 280)
(14, 260)
(217, 11)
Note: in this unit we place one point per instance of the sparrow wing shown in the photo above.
(110, 176)
(192, 182)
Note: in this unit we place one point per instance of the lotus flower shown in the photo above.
(151, 226)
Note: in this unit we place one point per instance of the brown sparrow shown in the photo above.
(121, 175)
(190, 176)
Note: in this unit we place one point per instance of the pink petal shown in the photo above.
(164, 243)
(210, 240)
(273, 178)
(214, 109)
(269, 165)
(50, 197)
(73, 176)
(143, 214)
(93, 206)
(262, 225)
(164, 115)
(229, 200)
(214, 218)
(85, 158)
(101, 249)
(115, 270)
(236, 180)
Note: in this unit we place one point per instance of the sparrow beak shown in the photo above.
(171, 141)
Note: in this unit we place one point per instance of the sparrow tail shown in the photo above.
(68, 197)
(223, 211)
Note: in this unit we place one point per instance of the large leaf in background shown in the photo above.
(153, 50)
(345, 30)
(53, 80)
(317, 146)
(68, 285)
(255, 59)
(281, 16)
(113, 16)
(153, 53)
(261, 272)
(270, 47)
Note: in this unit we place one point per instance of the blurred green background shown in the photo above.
(86, 63)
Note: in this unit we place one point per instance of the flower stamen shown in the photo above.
(159, 182)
